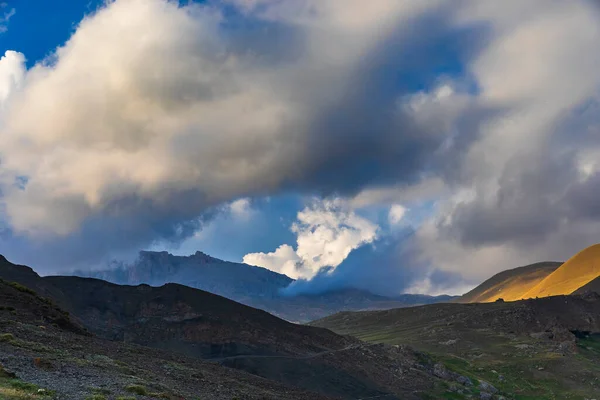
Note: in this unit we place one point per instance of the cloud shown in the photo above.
(327, 231)
(387, 267)
(519, 196)
(482, 115)
(127, 142)
(12, 73)
(396, 214)
(283, 260)
(7, 14)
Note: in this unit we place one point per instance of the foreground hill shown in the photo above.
(44, 354)
(577, 272)
(168, 341)
(547, 348)
(254, 286)
(511, 284)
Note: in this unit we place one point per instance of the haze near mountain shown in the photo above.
(254, 286)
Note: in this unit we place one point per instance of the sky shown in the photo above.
(394, 146)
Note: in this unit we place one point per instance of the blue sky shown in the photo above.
(39, 27)
(418, 143)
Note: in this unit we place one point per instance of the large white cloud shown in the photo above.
(12, 72)
(327, 231)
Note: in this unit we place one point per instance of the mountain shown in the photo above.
(254, 286)
(236, 281)
(511, 284)
(547, 348)
(45, 354)
(78, 338)
(577, 272)
(592, 286)
(174, 342)
(576, 276)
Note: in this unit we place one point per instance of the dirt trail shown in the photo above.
(306, 357)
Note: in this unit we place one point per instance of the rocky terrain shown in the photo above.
(83, 338)
(254, 286)
(46, 355)
(545, 348)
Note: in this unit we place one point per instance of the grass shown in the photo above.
(7, 337)
(137, 389)
(22, 288)
(15, 389)
(533, 374)
(12, 340)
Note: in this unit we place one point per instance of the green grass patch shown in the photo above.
(7, 337)
(14, 389)
(137, 389)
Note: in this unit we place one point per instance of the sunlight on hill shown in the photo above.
(572, 275)
(513, 288)
(511, 284)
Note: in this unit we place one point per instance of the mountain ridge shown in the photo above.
(251, 285)
(193, 327)
(509, 284)
(577, 272)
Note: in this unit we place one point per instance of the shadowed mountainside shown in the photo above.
(592, 286)
(254, 286)
(45, 355)
(185, 323)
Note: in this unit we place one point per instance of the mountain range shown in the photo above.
(85, 338)
(68, 337)
(254, 286)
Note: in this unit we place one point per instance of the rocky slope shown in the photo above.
(44, 354)
(170, 340)
(254, 286)
(547, 348)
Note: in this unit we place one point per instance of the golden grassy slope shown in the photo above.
(582, 268)
(511, 284)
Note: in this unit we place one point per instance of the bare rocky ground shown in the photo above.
(69, 363)
(176, 342)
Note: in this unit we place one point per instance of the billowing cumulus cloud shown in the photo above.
(12, 72)
(482, 116)
(327, 231)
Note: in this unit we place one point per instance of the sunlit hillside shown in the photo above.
(511, 284)
(578, 271)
